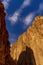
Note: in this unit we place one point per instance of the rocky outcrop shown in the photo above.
(4, 43)
(32, 38)
(28, 49)
(5, 58)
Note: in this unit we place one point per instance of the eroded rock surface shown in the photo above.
(32, 38)
(5, 58)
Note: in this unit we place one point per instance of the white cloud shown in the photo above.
(6, 3)
(41, 6)
(25, 3)
(14, 18)
(28, 18)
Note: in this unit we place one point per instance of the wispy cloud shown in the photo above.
(25, 3)
(14, 18)
(6, 3)
(28, 18)
(41, 6)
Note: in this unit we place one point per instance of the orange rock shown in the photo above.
(32, 38)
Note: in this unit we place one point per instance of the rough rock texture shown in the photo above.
(4, 43)
(5, 58)
(32, 38)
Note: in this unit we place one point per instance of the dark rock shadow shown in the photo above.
(26, 57)
(10, 61)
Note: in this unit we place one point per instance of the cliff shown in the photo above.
(5, 58)
(28, 49)
(32, 38)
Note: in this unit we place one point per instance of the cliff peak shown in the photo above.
(32, 38)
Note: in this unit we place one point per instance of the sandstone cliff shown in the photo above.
(32, 38)
(5, 58)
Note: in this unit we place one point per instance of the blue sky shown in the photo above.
(20, 14)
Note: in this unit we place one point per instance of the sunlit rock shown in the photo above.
(32, 38)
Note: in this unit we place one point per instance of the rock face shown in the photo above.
(4, 43)
(5, 58)
(33, 39)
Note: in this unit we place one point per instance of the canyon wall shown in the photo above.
(33, 39)
(28, 49)
(5, 58)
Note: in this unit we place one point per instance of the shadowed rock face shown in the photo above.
(26, 57)
(5, 58)
(3, 36)
(33, 39)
